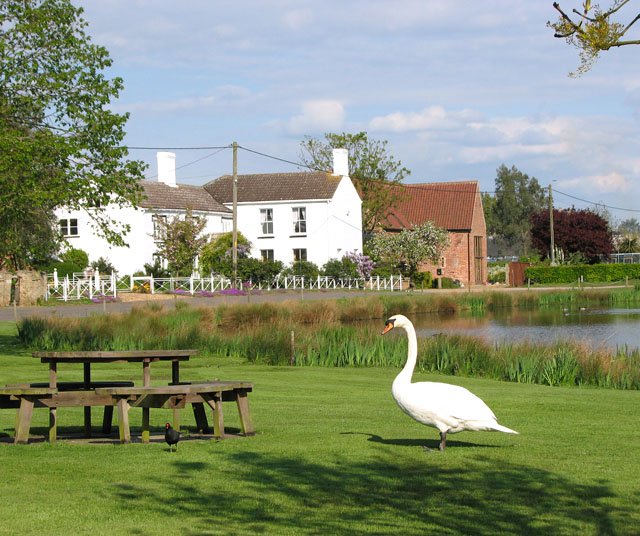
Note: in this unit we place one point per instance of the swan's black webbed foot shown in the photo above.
(427, 449)
(443, 442)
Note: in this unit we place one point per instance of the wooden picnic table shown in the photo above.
(146, 357)
(124, 395)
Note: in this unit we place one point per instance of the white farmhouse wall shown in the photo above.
(334, 226)
(142, 245)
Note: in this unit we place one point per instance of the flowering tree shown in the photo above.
(182, 242)
(364, 264)
(411, 247)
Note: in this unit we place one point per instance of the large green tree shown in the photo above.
(371, 168)
(592, 30)
(516, 196)
(60, 145)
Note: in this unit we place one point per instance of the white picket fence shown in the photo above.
(98, 288)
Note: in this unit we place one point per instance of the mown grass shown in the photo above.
(326, 333)
(333, 455)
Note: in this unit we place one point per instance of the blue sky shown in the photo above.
(457, 88)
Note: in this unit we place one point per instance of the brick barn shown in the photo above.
(456, 207)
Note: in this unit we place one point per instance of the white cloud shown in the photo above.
(317, 116)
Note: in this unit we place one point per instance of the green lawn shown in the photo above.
(332, 455)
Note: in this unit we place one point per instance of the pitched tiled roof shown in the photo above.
(161, 196)
(448, 204)
(275, 187)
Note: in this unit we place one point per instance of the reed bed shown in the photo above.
(328, 334)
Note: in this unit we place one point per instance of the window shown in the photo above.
(299, 220)
(267, 254)
(266, 220)
(69, 227)
(159, 229)
(299, 254)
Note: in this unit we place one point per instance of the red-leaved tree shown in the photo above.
(574, 230)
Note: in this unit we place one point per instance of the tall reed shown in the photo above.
(326, 334)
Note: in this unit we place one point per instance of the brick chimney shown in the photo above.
(341, 162)
(167, 168)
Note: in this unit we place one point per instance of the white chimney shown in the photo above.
(341, 162)
(167, 168)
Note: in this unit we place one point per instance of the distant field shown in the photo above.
(332, 455)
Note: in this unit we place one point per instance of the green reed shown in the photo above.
(323, 333)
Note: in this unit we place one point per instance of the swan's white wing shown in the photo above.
(450, 405)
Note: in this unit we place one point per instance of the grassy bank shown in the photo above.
(326, 333)
(333, 455)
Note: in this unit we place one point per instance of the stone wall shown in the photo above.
(30, 287)
(5, 288)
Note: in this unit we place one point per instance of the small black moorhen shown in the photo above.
(172, 437)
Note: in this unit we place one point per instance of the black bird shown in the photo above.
(172, 437)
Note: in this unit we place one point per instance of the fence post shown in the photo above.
(191, 285)
(151, 284)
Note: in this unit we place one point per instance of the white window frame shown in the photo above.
(267, 255)
(266, 221)
(299, 220)
(298, 257)
(158, 232)
(67, 226)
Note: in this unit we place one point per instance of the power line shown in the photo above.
(409, 186)
(205, 148)
(594, 203)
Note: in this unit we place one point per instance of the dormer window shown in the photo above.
(299, 220)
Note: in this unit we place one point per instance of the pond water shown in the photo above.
(596, 327)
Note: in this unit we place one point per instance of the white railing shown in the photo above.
(99, 288)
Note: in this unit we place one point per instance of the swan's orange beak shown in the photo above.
(388, 327)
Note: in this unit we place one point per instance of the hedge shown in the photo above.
(591, 273)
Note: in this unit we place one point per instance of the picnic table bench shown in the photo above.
(124, 394)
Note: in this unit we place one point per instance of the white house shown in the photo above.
(311, 216)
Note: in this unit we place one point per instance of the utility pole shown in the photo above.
(553, 248)
(235, 213)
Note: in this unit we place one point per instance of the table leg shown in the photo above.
(53, 411)
(175, 372)
(214, 400)
(201, 417)
(146, 372)
(245, 414)
(176, 419)
(87, 409)
(26, 411)
(107, 420)
(145, 425)
(123, 420)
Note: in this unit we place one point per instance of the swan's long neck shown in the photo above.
(412, 356)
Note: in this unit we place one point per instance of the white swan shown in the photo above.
(449, 408)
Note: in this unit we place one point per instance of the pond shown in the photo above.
(596, 327)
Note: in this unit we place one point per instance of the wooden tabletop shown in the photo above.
(104, 356)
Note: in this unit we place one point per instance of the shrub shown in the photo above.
(63, 268)
(340, 269)
(422, 279)
(103, 266)
(447, 282)
(303, 268)
(77, 257)
(595, 273)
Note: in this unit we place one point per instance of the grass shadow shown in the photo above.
(289, 495)
(431, 443)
